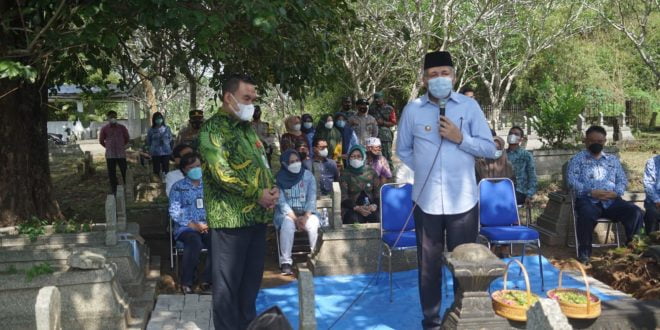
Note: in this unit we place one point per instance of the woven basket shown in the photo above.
(590, 310)
(512, 312)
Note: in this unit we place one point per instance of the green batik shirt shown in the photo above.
(384, 112)
(235, 173)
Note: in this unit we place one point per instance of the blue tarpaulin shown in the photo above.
(374, 310)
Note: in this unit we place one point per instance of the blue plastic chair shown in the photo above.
(397, 225)
(499, 220)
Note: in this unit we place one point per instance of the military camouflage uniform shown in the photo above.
(384, 133)
(364, 127)
(189, 136)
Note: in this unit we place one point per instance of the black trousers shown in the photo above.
(431, 229)
(620, 211)
(160, 164)
(193, 243)
(652, 218)
(237, 269)
(112, 171)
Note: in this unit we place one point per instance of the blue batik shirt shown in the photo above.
(586, 173)
(159, 141)
(186, 205)
(652, 180)
(524, 168)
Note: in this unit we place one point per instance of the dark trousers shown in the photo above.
(587, 213)
(520, 198)
(160, 164)
(460, 228)
(652, 218)
(193, 243)
(238, 267)
(351, 217)
(112, 171)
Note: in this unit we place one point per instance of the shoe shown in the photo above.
(286, 269)
(187, 290)
(205, 288)
(584, 260)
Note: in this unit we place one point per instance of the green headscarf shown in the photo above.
(363, 151)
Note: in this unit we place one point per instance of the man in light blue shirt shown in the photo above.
(652, 190)
(599, 182)
(441, 151)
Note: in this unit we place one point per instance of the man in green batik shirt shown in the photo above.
(239, 194)
(383, 114)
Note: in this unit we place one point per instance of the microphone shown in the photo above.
(441, 104)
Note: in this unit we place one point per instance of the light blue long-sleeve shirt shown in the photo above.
(451, 186)
(297, 199)
(586, 173)
(652, 180)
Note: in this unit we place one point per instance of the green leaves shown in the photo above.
(16, 70)
(557, 113)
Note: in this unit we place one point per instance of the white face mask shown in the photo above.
(513, 139)
(296, 127)
(307, 125)
(245, 111)
(498, 154)
(323, 153)
(295, 167)
(356, 163)
(329, 124)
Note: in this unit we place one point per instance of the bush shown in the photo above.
(556, 114)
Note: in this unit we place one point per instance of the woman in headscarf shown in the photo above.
(296, 206)
(293, 134)
(307, 128)
(499, 167)
(327, 131)
(348, 136)
(360, 187)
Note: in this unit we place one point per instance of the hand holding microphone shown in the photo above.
(446, 127)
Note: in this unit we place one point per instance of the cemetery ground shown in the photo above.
(81, 199)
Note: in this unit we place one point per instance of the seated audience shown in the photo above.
(303, 152)
(523, 166)
(652, 190)
(189, 217)
(360, 189)
(296, 206)
(327, 130)
(173, 176)
(293, 134)
(499, 167)
(348, 136)
(377, 161)
(324, 169)
(599, 182)
(307, 128)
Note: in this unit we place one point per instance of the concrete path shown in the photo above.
(188, 312)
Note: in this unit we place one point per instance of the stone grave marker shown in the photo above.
(47, 309)
(120, 198)
(306, 300)
(546, 315)
(110, 220)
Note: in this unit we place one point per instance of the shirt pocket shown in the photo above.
(428, 133)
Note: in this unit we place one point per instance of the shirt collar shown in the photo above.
(189, 182)
(453, 96)
(603, 155)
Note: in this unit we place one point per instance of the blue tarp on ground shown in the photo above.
(374, 311)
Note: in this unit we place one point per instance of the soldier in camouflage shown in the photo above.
(383, 114)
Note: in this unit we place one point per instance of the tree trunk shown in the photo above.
(149, 91)
(193, 93)
(25, 188)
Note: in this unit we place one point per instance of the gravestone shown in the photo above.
(547, 315)
(130, 186)
(120, 199)
(47, 309)
(474, 267)
(306, 300)
(110, 220)
(89, 258)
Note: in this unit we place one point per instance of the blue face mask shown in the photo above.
(159, 121)
(341, 123)
(194, 173)
(440, 87)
